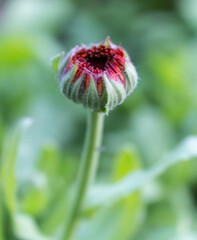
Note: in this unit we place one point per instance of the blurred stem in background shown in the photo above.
(87, 169)
(6, 225)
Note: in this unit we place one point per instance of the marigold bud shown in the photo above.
(100, 76)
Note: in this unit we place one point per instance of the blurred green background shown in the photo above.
(39, 166)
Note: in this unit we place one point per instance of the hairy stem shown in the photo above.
(87, 169)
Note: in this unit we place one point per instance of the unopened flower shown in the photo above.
(100, 76)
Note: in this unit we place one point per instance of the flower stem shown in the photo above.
(87, 169)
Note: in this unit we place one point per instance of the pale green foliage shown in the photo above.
(8, 164)
(121, 218)
(26, 228)
(137, 179)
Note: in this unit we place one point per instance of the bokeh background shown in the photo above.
(39, 168)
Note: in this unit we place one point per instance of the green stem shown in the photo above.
(87, 170)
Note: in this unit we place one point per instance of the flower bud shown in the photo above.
(100, 76)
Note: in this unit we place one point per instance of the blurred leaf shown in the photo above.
(15, 50)
(1, 220)
(35, 15)
(60, 172)
(150, 128)
(56, 214)
(167, 220)
(181, 174)
(9, 155)
(111, 193)
(49, 162)
(34, 194)
(2, 129)
(121, 219)
(26, 228)
(188, 10)
(126, 161)
(171, 73)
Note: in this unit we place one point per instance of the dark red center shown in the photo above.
(99, 59)
(97, 62)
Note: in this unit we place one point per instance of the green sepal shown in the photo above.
(120, 91)
(56, 60)
(114, 94)
(130, 77)
(65, 81)
(103, 102)
(110, 100)
(107, 41)
(75, 92)
(90, 98)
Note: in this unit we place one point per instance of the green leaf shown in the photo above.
(9, 156)
(34, 196)
(113, 192)
(26, 228)
(60, 172)
(1, 221)
(121, 219)
(126, 161)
